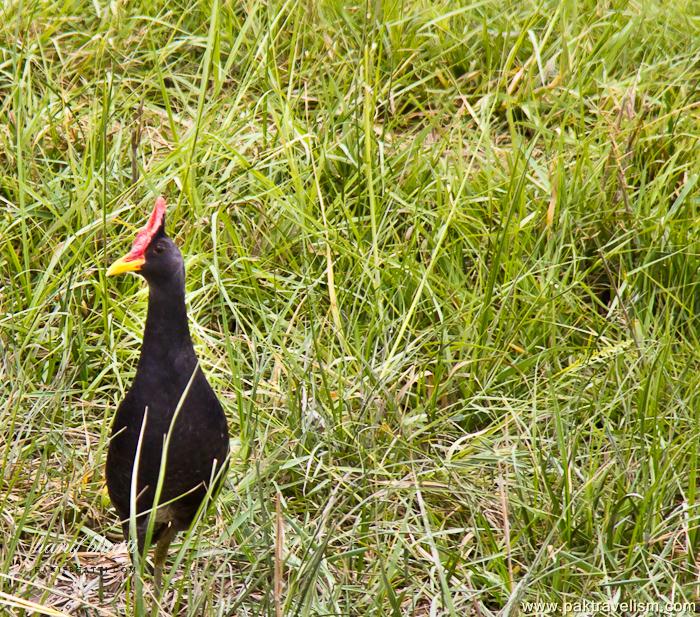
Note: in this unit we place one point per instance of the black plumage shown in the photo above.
(198, 440)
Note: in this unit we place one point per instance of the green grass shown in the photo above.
(443, 270)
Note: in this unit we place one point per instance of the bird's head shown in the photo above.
(153, 255)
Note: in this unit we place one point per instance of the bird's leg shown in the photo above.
(161, 553)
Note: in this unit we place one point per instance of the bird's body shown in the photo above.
(170, 401)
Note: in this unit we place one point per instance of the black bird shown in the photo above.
(170, 401)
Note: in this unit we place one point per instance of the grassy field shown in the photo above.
(443, 270)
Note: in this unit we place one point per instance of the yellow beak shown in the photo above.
(122, 265)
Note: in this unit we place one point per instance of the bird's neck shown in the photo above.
(166, 335)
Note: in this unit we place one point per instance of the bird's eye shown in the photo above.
(159, 248)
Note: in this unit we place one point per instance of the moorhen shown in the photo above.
(169, 402)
